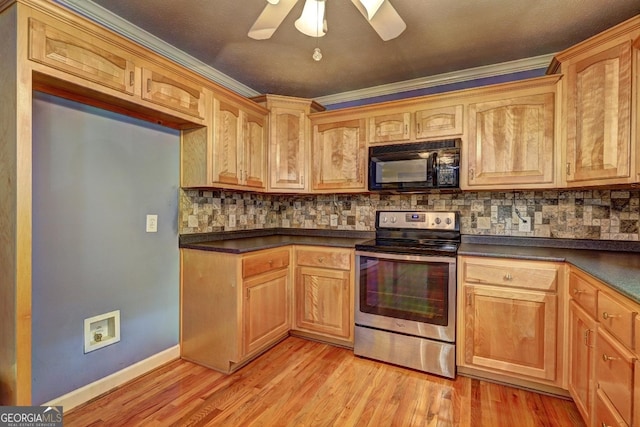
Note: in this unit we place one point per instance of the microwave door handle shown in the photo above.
(432, 165)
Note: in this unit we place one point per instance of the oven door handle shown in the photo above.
(407, 257)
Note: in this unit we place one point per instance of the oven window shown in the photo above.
(411, 290)
(396, 171)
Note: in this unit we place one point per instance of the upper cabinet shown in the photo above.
(510, 143)
(415, 121)
(599, 146)
(339, 156)
(172, 91)
(81, 55)
(239, 145)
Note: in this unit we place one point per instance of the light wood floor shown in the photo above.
(305, 383)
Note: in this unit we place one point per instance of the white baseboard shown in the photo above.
(103, 385)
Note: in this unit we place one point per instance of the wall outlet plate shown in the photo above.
(152, 223)
(523, 226)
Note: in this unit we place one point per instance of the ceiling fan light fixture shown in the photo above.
(317, 54)
(273, 1)
(371, 6)
(311, 21)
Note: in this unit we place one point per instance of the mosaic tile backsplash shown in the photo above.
(592, 214)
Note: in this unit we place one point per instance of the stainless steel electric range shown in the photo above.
(406, 291)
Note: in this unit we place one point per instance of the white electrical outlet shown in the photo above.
(334, 220)
(232, 221)
(525, 225)
(152, 223)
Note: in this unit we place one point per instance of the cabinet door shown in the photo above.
(614, 373)
(339, 156)
(172, 92)
(389, 128)
(598, 142)
(439, 122)
(582, 337)
(511, 331)
(265, 309)
(81, 55)
(511, 142)
(288, 149)
(323, 302)
(254, 159)
(227, 150)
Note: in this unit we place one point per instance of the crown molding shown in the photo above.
(126, 29)
(527, 64)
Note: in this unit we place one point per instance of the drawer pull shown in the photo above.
(508, 276)
(608, 358)
(148, 85)
(578, 291)
(270, 262)
(586, 337)
(321, 260)
(606, 315)
(605, 424)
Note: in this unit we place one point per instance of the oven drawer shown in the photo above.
(537, 275)
(334, 258)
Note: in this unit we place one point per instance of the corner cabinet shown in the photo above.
(233, 306)
(508, 323)
(324, 293)
(511, 141)
(339, 156)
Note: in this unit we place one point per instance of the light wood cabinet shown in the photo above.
(239, 147)
(601, 347)
(324, 292)
(439, 122)
(508, 321)
(598, 143)
(511, 141)
(82, 55)
(265, 309)
(233, 306)
(172, 91)
(582, 339)
(600, 108)
(390, 128)
(339, 156)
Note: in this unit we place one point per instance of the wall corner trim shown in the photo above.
(103, 385)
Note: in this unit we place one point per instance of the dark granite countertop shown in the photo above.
(255, 240)
(615, 263)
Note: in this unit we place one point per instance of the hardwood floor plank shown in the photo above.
(306, 383)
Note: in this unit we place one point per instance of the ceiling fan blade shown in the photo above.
(270, 19)
(386, 22)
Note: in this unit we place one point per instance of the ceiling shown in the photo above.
(442, 36)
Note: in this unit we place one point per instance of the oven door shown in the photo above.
(409, 294)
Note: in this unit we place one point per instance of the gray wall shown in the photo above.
(96, 175)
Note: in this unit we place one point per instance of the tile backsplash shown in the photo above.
(590, 214)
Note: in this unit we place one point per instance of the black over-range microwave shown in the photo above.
(417, 166)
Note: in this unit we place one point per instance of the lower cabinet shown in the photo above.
(582, 338)
(508, 323)
(233, 306)
(324, 293)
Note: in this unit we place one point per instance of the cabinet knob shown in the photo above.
(608, 358)
(508, 276)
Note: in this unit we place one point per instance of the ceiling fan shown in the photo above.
(380, 14)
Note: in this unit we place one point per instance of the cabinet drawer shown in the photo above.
(583, 293)
(518, 274)
(606, 414)
(614, 373)
(261, 263)
(616, 318)
(335, 258)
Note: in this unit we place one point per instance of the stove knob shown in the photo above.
(385, 219)
(438, 220)
(448, 221)
(393, 219)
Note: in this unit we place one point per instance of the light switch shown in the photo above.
(152, 223)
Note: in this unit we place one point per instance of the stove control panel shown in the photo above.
(418, 220)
